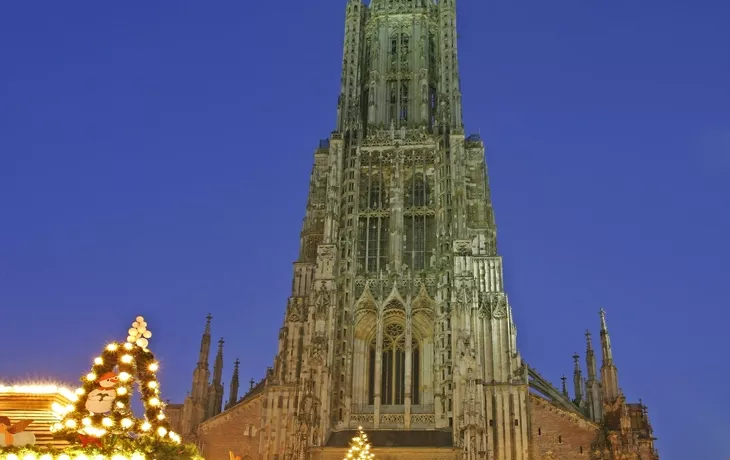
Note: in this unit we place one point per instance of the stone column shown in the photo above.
(408, 376)
(378, 371)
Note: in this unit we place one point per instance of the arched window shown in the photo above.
(393, 368)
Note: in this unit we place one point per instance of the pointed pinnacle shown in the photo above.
(220, 343)
(576, 358)
(207, 323)
(602, 314)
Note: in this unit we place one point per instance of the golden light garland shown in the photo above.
(30, 455)
(131, 359)
(81, 419)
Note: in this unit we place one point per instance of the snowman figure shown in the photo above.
(100, 399)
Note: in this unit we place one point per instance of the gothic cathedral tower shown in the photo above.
(398, 319)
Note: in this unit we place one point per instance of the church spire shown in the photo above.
(577, 380)
(593, 386)
(609, 373)
(233, 396)
(218, 366)
(205, 344)
(194, 410)
(215, 396)
(201, 375)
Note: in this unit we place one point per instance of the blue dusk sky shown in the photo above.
(155, 159)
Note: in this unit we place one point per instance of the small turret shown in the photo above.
(233, 396)
(593, 385)
(577, 381)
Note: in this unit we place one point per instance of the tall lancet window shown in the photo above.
(405, 55)
(374, 210)
(394, 51)
(393, 100)
(393, 368)
(419, 227)
(404, 102)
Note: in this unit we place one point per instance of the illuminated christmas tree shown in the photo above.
(360, 447)
(99, 423)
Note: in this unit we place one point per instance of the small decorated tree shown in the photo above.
(360, 447)
(101, 425)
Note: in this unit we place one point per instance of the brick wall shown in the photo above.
(558, 434)
(235, 430)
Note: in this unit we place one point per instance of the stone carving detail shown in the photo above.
(392, 419)
(492, 305)
(463, 299)
(296, 311)
(485, 307)
(321, 303)
(326, 260)
(414, 137)
(318, 349)
(499, 307)
(362, 418)
(462, 247)
(359, 287)
(306, 421)
(404, 284)
(423, 419)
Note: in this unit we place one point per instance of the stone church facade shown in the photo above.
(398, 320)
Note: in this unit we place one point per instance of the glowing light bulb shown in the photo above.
(126, 359)
(153, 367)
(71, 423)
(106, 421)
(98, 361)
(152, 384)
(124, 376)
(128, 346)
(86, 421)
(121, 391)
(91, 376)
(160, 416)
(111, 347)
(162, 431)
(146, 426)
(154, 402)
